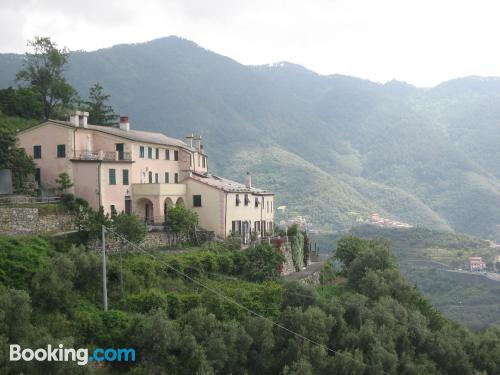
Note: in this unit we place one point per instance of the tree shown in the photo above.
(263, 262)
(181, 219)
(21, 165)
(64, 182)
(22, 102)
(349, 248)
(130, 227)
(43, 72)
(100, 113)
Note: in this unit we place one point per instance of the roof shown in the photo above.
(224, 184)
(133, 135)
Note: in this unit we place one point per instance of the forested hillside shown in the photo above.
(470, 298)
(226, 314)
(333, 147)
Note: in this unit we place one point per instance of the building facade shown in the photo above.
(144, 173)
(476, 264)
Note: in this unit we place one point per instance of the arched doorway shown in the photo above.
(144, 209)
(168, 204)
(179, 202)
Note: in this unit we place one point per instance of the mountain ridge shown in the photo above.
(424, 156)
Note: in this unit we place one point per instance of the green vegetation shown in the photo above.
(471, 299)
(335, 148)
(64, 182)
(42, 71)
(16, 159)
(374, 321)
(100, 113)
(181, 219)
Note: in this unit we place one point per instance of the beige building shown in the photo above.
(144, 173)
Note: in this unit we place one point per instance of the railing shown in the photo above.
(28, 200)
(102, 155)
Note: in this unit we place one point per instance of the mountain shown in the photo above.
(335, 148)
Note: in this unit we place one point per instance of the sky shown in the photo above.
(418, 41)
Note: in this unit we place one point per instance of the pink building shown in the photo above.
(143, 173)
(476, 264)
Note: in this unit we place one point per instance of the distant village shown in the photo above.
(376, 219)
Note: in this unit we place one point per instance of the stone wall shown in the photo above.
(21, 220)
(312, 279)
(285, 249)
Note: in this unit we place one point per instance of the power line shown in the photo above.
(229, 299)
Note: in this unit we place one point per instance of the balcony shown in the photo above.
(158, 189)
(100, 155)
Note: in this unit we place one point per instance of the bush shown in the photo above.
(181, 219)
(130, 227)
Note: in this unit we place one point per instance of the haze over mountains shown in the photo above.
(336, 148)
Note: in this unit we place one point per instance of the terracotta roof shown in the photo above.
(225, 184)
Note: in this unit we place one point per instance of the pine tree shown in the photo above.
(100, 113)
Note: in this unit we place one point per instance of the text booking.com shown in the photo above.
(80, 356)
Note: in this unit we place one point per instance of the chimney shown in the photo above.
(189, 139)
(124, 124)
(82, 119)
(74, 118)
(197, 141)
(248, 180)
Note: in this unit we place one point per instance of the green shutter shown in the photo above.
(196, 200)
(61, 151)
(37, 152)
(112, 176)
(125, 177)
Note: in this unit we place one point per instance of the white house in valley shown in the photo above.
(145, 173)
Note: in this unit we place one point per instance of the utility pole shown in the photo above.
(104, 286)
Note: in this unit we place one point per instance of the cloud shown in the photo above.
(421, 42)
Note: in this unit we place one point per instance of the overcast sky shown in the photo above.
(422, 42)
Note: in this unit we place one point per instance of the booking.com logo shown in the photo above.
(62, 354)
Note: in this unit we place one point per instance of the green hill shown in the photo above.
(333, 147)
(218, 310)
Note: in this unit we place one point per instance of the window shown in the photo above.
(157, 153)
(112, 176)
(267, 205)
(256, 202)
(61, 151)
(257, 226)
(37, 152)
(236, 226)
(176, 178)
(128, 205)
(176, 155)
(150, 177)
(196, 200)
(141, 152)
(112, 210)
(125, 176)
(204, 160)
(237, 200)
(247, 200)
(150, 153)
(167, 177)
(156, 178)
(38, 176)
(167, 154)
